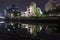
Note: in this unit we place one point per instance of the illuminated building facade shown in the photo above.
(32, 11)
(33, 8)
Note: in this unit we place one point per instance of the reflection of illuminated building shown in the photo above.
(32, 28)
(12, 26)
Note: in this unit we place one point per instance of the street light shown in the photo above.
(12, 24)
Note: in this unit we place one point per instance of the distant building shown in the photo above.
(58, 8)
(52, 8)
(9, 12)
(50, 5)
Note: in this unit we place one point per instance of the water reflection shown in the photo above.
(31, 28)
(11, 26)
(41, 30)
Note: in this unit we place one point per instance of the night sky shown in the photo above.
(22, 3)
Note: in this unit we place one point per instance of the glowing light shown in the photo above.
(40, 28)
(12, 24)
(11, 14)
(8, 30)
(26, 27)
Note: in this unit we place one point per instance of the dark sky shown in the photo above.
(22, 3)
